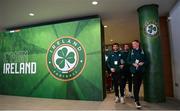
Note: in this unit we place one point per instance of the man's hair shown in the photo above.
(136, 41)
(126, 44)
(115, 44)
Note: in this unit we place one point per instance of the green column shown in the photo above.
(150, 41)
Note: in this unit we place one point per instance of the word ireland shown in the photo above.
(19, 68)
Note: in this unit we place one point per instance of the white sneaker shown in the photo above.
(116, 99)
(138, 105)
(122, 100)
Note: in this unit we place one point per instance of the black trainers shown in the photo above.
(138, 105)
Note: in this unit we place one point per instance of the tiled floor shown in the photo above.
(28, 103)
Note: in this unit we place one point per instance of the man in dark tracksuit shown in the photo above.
(137, 61)
(116, 63)
(127, 72)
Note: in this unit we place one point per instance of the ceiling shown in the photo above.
(120, 16)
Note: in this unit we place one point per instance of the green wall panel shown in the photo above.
(35, 45)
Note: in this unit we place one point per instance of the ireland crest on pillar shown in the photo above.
(151, 29)
(66, 58)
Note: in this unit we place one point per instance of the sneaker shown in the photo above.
(116, 99)
(122, 100)
(138, 105)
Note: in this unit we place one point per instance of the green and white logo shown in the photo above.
(151, 29)
(66, 58)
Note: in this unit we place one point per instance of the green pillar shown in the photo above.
(150, 41)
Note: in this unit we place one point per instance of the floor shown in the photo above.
(29, 103)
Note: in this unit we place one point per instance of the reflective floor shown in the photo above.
(29, 103)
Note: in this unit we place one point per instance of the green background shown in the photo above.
(36, 40)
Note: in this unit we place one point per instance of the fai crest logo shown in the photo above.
(151, 29)
(66, 58)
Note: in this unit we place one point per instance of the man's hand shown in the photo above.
(135, 65)
(110, 74)
(112, 70)
(141, 63)
(121, 66)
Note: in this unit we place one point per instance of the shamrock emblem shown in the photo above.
(152, 29)
(65, 58)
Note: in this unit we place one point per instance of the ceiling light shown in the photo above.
(105, 26)
(12, 31)
(31, 14)
(111, 40)
(94, 2)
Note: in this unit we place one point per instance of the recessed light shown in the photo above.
(12, 31)
(111, 40)
(105, 26)
(31, 14)
(94, 2)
